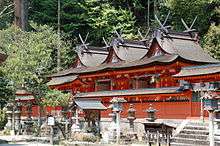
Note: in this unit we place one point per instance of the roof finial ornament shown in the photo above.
(106, 44)
(84, 41)
(162, 26)
(143, 38)
(119, 36)
(189, 29)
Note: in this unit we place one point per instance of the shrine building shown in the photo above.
(169, 70)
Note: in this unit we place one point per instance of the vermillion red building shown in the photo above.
(169, 71)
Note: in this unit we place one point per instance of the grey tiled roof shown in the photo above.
(145, 91)
(174, 44)
(198, 70)
(94, 56)
(21, 98)
(90, 104)
(22, 92)
(185, 47)
(130, 50)
(61, 80)
(122, 64)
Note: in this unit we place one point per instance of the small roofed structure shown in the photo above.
(23, 95)
(89, 104)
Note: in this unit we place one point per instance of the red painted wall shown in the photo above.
(166, 110)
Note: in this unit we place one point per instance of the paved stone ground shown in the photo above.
(23, 140)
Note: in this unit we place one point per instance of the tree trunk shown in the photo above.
(21, 13)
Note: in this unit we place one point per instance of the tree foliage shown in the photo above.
(212, 41)
(56, 98)
(6, 13)
(99, 18)
(6, 89)
(31, 56)
(188, 10)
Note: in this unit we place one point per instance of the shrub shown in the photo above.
(3, 119)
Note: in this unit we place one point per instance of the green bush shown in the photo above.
(90, 138)
(3, 119)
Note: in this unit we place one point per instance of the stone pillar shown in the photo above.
(17, 114)
(9, 114)
(211, 128)
(118, 130)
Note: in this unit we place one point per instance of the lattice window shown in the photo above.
(104, 85)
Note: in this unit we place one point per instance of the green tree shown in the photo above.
(212, 41)
(31, 56)
(104, 19)
(6, 90)
(99, 18)
(189, 9)
(6, 13)
(56, 98)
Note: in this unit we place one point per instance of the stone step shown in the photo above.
(190, 141)
(192, 136)
(196, 127)
(198, 124)
(183, 144)
(217, 143)
(197, 132)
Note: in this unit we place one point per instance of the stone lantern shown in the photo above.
(28, 122)
(113, 117)
(131, 116)
(17, 116)
(117, 108)
(9, 114)
(211, 105)
(210, 101)
(151, 114)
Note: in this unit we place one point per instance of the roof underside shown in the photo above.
(131, 92)
(199, 70)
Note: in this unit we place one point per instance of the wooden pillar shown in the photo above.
(190, 99)
(148, 138)
(158, 139)
(168, 138)
(21, 13)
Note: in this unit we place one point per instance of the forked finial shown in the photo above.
(106, 43)
(143, 37)
(163, 26)
(189, 29)
(84, 41)
(119, 36)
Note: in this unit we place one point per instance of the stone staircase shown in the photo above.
(192, 134)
